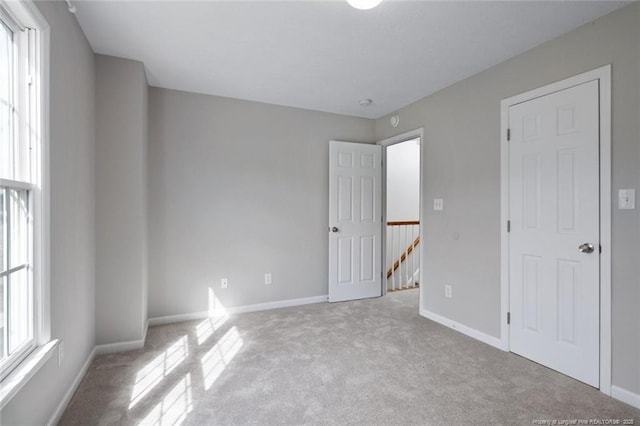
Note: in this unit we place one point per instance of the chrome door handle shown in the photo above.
(334, 229)
(585, 248)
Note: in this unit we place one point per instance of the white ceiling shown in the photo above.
(324, 55)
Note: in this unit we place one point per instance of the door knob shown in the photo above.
(334, 229)
(585, 248)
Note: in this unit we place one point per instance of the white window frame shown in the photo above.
(24, 181)
(25, 14)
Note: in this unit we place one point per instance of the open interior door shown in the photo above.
(355, 222)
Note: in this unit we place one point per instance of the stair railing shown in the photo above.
(403, 238)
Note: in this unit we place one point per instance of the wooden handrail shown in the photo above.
(401, 223)
(403, 257)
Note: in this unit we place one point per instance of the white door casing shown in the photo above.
(355, 223)
(554, 289)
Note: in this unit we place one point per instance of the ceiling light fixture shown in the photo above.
(365, 102)
(364, 4)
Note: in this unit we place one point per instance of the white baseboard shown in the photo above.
(626, 396)
(131, 345)
(57, 414)
(278, 304)
(471, 332)
(119, 347)
(170, 319)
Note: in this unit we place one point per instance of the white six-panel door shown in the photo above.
(355, 227)
(554, 281)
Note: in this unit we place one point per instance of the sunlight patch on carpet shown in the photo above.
(206, 328)
(174, 407)
(219, 356)
(155, 371)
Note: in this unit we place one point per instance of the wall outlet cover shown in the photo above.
(448, 291)
(626, 199)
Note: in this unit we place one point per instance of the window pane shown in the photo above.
(19, 305)
(18, 229)
(16, 312)
(7, 145)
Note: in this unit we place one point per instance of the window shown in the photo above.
(21, 195)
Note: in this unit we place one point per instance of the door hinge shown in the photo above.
(508, 318)
(508, 134)
(508, 226)
(600, 248)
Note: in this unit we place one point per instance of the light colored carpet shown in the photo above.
(365, 362)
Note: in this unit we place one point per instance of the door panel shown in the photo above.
(554, 208)
(367, 258)
(355, 214)
(368, 199)
(532, 293)
(345, 260)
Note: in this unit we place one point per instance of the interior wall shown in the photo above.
(238, 189)
(461, 159)
(121, 200)
(72, 154)
(403, 181)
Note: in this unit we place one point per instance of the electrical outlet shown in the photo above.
(224, 283)
(438, 204)
(448, 291)
(60, 352)
(267, 278)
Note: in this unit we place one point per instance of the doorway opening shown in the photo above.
(402, 263)
(402, 230)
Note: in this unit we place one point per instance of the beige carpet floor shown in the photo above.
(370, 362)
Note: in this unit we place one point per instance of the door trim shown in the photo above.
(407, 136)
(603, 75)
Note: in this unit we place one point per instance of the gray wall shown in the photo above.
(121, 206)
(461, 160)
(72, 144)
(238, 189)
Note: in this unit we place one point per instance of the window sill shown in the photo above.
(19, 377)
